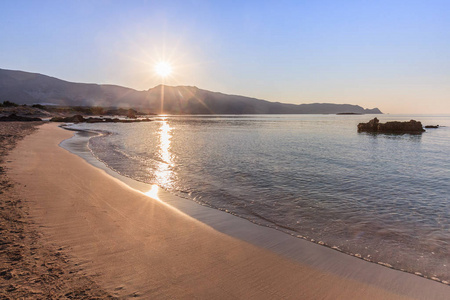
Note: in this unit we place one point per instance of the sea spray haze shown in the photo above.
(381, 197)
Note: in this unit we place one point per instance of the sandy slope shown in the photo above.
(138, 246)
(29, 267)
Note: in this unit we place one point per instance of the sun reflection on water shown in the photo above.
(164, 171)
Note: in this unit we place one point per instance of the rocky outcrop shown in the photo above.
(16, 118)
(432, 126)
(81, 119)
(375, 126)
(73, 119)
(371, 126)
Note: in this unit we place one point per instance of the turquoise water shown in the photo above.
(384, 198)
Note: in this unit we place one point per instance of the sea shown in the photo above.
(384, 198)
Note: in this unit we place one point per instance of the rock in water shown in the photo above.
(371, 126)
(374, 125)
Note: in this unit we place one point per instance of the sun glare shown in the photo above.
(163, 69)
(153, 192)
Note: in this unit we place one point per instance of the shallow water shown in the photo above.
(382, 197)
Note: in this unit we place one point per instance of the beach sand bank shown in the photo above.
(132, 245)
(29, 267)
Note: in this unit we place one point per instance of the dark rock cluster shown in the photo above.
(81, 119)
(14, 117)
(73, 119)
(374, 125)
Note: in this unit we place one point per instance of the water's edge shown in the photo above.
(282, 242)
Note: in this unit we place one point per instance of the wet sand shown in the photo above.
(133, 245)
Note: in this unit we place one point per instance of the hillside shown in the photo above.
(31, 88)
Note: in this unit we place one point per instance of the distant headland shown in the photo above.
(32, 88)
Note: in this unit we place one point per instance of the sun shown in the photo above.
(163, 69)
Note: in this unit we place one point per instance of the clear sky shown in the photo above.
(394, 55)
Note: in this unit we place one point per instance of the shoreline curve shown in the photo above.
(295, 255)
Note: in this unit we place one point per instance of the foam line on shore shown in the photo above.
(293, 248)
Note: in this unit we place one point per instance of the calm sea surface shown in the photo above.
(382, 197)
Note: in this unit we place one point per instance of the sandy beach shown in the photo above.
(31, 268)
(107, 239)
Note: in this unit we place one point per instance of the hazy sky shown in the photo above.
(394, 55)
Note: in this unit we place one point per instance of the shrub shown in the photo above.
(97, 110)
(9, 104)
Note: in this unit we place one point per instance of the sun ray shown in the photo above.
(198, 99)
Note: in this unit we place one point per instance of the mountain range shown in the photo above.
(32, 88)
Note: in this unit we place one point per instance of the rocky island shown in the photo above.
(375, 126)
